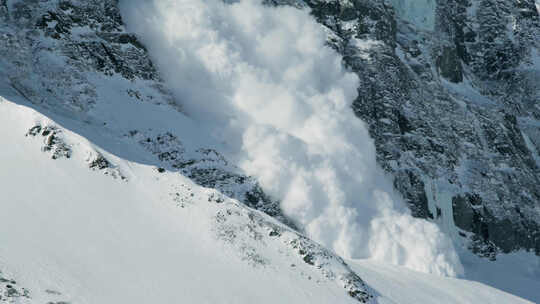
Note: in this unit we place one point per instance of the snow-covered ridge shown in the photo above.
(75, 219)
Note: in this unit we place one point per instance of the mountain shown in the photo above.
(85, 226)
(90, 227)
(449, 90)
(168, 161)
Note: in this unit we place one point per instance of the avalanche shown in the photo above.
(264, 80)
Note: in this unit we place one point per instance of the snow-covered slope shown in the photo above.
(77, 231)
(78, 235)
(207, 176)
(398, 285)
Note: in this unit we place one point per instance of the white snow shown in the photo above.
(266, 82)
(398, 285)
(245, 80)
(96, 239)
(517, 273)
(76, 235)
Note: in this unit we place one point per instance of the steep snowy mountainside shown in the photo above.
(114, 164)
(91, 227)
(453, 110)
(127, 233)
(283, 104)
(75, 60)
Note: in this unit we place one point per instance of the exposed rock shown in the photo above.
(326, 265)
(209, 168)
(53, 142)
(88, 36)
(10, 292)
(98, 162)
(449, 64)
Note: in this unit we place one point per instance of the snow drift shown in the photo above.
(265, 82)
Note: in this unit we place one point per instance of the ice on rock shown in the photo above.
(421, 13)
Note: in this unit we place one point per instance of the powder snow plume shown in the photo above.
(264, 80)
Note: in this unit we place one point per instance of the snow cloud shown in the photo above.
(263, 78)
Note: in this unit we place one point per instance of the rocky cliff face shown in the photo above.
(451, 99)
(454, 109)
